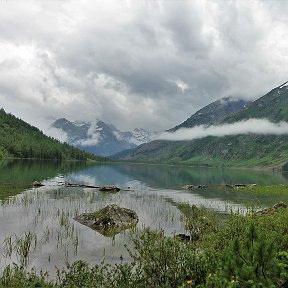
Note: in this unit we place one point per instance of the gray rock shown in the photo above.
(183, 237)
(280, 205)
(110, 220)
(37, 184)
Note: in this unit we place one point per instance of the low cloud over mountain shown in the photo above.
(251, 126)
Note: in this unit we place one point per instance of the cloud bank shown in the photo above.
(137, 63)
(251, 126)
(57, 134)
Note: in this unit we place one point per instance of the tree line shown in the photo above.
(21, 140)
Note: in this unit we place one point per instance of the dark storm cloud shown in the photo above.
(137, 63)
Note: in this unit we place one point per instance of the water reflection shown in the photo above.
(17, 175)
(166, 176)
(47, 212)
(169, 180)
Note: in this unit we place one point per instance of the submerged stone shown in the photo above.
(110, 220)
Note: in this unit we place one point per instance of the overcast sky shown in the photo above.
(134, 63)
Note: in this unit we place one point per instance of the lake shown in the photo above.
(43, 217)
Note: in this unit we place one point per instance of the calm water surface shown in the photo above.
(44, 215)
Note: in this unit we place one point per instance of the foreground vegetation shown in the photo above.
(240, 251)
(21, 140)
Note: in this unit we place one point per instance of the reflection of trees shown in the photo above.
(18, 175)
(177, 176)
(285, 175)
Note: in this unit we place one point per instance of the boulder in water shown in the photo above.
(37, 184)
(110, 220)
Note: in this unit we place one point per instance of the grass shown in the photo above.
(240, 251)
(48, 235)
(259, 189)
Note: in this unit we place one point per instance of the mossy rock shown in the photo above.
(110, 220)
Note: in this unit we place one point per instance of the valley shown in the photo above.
(245, 150)
(144, 144)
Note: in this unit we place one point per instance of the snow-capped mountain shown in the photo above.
(100, 138)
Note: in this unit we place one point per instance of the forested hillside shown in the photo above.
(236, 150)
(213, 113)
(21, 140)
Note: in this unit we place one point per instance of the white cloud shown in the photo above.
(251, 126)
(181, 85)
(88, 142)
(57, 134)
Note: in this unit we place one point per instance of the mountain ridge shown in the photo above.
(234, 150)
(100, 138)
(272, 106)
(214, 113)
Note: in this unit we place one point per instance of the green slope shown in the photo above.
(213, 113)
(272, 106)
(239, 150)
(21, 140)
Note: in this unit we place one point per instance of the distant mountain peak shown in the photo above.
(284, 85)
(61, 120)
(213, 113)
(101, 138)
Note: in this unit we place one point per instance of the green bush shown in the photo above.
(249, 261)
(16, 277)
(167, 261)
(157, 261)
(198, 221)
(104, 275)
(245, 251)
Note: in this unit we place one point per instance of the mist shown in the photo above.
(56, 133)
(251, 126)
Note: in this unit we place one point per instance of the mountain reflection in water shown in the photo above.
(155, 192)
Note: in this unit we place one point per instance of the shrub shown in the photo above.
(16, 277)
